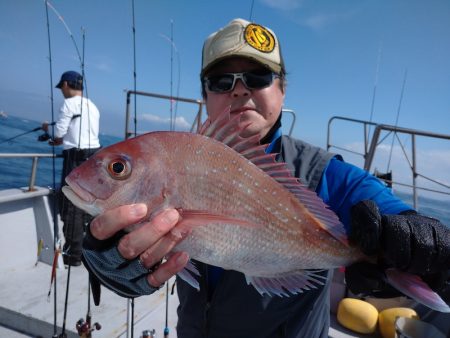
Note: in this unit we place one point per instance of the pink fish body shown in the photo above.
(244, 211)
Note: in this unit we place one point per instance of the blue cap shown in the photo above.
(71, 77)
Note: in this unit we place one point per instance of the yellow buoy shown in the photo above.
(357, 315)
(387, 318)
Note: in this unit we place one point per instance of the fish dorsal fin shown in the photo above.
(189, 274)
(226, 129)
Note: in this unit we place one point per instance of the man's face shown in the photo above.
(65, 90)
(260, 107)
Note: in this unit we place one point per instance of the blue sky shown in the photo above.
(336, 53)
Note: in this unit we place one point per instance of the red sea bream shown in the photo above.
(243, 210)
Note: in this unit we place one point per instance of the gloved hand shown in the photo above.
(127, 278)
(408, 241)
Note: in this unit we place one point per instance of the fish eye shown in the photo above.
(119, 168)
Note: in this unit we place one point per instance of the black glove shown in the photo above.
(408, 241)
(127, 278)
(91, 243)
(95, 284)
(367, 279)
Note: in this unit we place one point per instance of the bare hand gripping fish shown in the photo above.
(242, 209)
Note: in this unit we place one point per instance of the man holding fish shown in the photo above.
(263, 244)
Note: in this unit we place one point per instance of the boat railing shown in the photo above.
(198, 117)
(197, 120)
(294, 118)
(372, 143)
(34, 164)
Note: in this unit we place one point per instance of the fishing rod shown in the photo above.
(130, 301)
(80, 56)
(166, 328)
(251, 11)
(40, 138)
(48, 4)
(173, 117)
(83, 327)
(396, 119)
(134, 69)
(172, 128)
(372, 107)
(172, 121)
(55, 222)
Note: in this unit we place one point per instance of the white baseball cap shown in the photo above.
(245, 39)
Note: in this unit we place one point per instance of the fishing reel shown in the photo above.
(84, 327)
(44, 137)
(148, 334)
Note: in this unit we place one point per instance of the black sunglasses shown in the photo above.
(224, 83)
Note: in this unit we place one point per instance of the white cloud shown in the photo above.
(180, 121)
(101, 62)
(284, 5)
(319, 21)
(315, 21)
(103, 67)
(322, 20)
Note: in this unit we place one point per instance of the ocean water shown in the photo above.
(16, 172)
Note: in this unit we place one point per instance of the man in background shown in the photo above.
(76, 129)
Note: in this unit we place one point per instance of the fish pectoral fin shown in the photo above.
(285, 285)
(414, 287)
(193, 218)
(187, 274)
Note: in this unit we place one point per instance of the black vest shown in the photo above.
(236, 309)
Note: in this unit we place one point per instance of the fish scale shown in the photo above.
(272, 238)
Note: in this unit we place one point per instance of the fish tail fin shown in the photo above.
(414, 287)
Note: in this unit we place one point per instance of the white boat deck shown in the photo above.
(24, 305)
(26, 311)
(26, 219)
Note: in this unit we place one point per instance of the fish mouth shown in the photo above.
(82, 199)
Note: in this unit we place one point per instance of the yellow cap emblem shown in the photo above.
(259, 38)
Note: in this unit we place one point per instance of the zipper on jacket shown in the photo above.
(206, 323)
